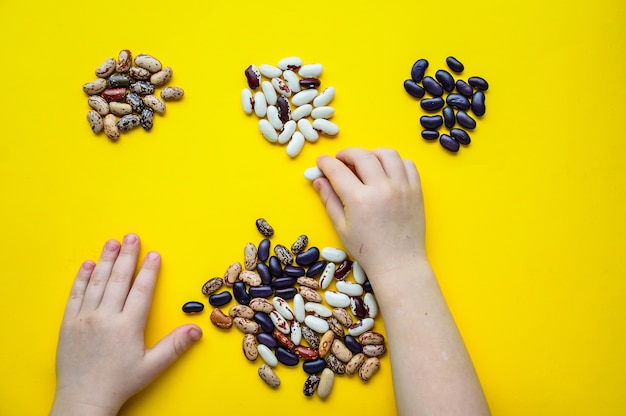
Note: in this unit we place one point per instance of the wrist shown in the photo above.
(74, 407)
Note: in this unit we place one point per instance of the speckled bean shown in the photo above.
(369, 368)
(309, 282)
(310, 295)
(110, 127)
(269, 376)
(147, 119)
(95, 87)
(296, 332)
(241, 311)
(232, 274)
(135, 101)
(246, 326)
(361, 326)
(342, 316)
(142, 88)
(120, 109)
(114, 94)
(261, 305)
(249, 347)
(371, 338)
(355, 363)
(148, 62)
(106, 68)
(128, 122)
(95, 121)
(279, 322)
(139, 73)
(98, 104)
(335, 364)
(162, 77)
(281, 87)
(310, 385)
(119, 81)
(311, 337)
(124, 61)
(172, 93)
(325, 126)
(340, 351)
(282, 307)
(326, 343)
(264, 227)
(374, 350)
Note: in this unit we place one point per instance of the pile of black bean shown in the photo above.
(123, 96)
(469, 96)
(263, 286)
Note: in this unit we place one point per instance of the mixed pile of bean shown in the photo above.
(299, 305)
(469, 95)
(123, 96)
(289, 85)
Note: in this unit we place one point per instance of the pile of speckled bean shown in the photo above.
(298, 306)
(290, 108)
(469, 96)
(123, 97)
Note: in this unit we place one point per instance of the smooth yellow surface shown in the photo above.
(525, 226)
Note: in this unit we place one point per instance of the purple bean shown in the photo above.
(449, 143)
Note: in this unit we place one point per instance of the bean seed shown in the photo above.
(281, 87)
(162, 77)
(465, 120)
(311, 70)
(270, 71)
(460, 136)
(430, 134)
(314, 366)
(327, 275)
(323, 112)
(309, 82)
(310, 295)
(293, 271)
(418, 70)
(279, 322)
(355, 363)
(316, 324)
(95, 121)
(350, 289)
(337, 299)
(464, 88)
(454, 64)
(324, 98)
(374, 350)
(119, 81)
(335, 364)
(344, 268)
(430, 104)
(193, 307)
(264, 321)
(135, 101)
(273, 118)
(449, 143)
(298, 308)
(220, 320)
(172, 93)
(358, 273)
(361, 326)
(268, 131)
(306, 353)
(449, 119)
(114, 94)
(283, 254)
(95, 87)
(269, 376)
(316, 268)
(291, 62)
(249, 347)
(110, 127)
(147, 119)
(292, 81)
(124, 61)
(232, 274)
(478, 103)
(326, 343)
(99, 104)
(264, 227)
(308, 257)
(263, 252)
(242, 311)
(295, 145)
(253, 76)
(334, 255)
(340, 351)
(310, 385)
(296, 332)
(276, 267)
(342, 316)
(136, 72)
(240, 293)
(261, 305)
(446, 80)
(432, 86)
(148, 62)
(264, 272)
(371, 338)
(325, 126)
(220, 299)
(414, 89)
(458, 101)
(283, 339)
(120, 109)
(106, 68)
(369, 301)
(286, 357)
(284, 109)
(142, 88)
(247, 101)
(369, 368)
(286, 292)
(478, 83)
(335, 326)
(301, 112)
(246, 325)
(352, 344)
(260, 105)
(367, 286)
(311, 337)
(267, 339)
(283, 308)
(431, 122)
(307, 130)
(267, 355)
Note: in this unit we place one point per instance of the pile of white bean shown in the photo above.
(303, 112)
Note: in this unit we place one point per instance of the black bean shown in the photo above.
(419, 69)
(240, 293)
(478, 103)
(193, 307)
(264, 321)
(286, 292)
(286, 357)
(449, 143)
(276, 267)
(314, 366)
(478, 83)
(263, 252)
(294, 271)
(147, 119)
(430, 134)
(220, 299)
(460, 136)
(316, 268)
(465, 120)
(118, 81)
(449, 119)
(264, 271)
(308, 257)
(367, 286)
(431, 122)
(432, 86)
(458, 101)
(454, 64)
(430, 104)
(413, 89)
(464, 88)
(446, 80)
(281, 282)
(263, 291)
(352, 344)
(267, 339)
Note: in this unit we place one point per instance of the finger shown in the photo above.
(122, 274)
(340, 176)
(366, 164)
(77, 293)
(100, 275)
(172, 346)
(332, 202)
(392, 164)
(412, 174)
(140, 296)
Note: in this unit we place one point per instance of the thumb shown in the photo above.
(172, 346)
(332, 202)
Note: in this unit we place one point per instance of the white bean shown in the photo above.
(270, 71)
(307, 130)
(270, 92)
(272, 117)
(327, 275)
(304, 97)
(358, 273)
(292, 80)
(290, 62)
(288, 130)
(325, 97)
(281, 87)
(283, 308)
(260, 105)
(370, 305)
(311, 71)
(361, 326)
(318, 309)
(317, 324)
(279, 322)
(301, 112)
(267, 355)
(268, 131)
(295, 145)
(350, 289)
(325, 126)
(337, 299)
(298, 307)
(335, 255)
(323, 112)
(296, 332)
(313, 173)
(247, 102)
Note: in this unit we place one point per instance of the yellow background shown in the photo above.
(525, 226)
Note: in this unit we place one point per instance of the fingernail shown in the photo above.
(195, 334)
(89, 265)
(112, 245)
(152, 255)
(130, 239)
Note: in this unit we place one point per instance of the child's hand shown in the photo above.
(102, 359)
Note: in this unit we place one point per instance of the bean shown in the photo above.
(267, 339)
(260, 105)
(446, 80)
(154, 103)
(460, 136)
(337, 299)
(325, 126)
(232, 273)
(324, 98)
(335, 326)
(262, 291)
(316, 268)
(269, 376)
(478, 103)
(432, 86)
(142, 88)
(267, 355)
(118, 81)
(269, 92)
(296, 331)
(327, 380)
(418, 70)
(318, 309)
(281, 87)
(298, 307)
(295, 145)
(246, 325)
(371, 338)
(327, 275)
(309, 82)
(335, 364)
(220, 320)
(264, 272)
(279, 322)
(286, 357)
(106, 68)
(465, 120)
(449, 119)
(250, 256)
(301, 112)
(458, 101)
(172, 93)
(95, 121)
(307, 130)
(306, 353)
(148, 62)
(369, 368)
(264, 227)
(134, 100)
(311, 70)
(323, 112)
(286, 292)
(294, 271)
(270, 71)
(358, 273)
(124, 61)
(361, 326)
(283, 308)
(316, 324)
(464, 88)
(162, 77)
(284, 109)
(120, 109)
(342, 316)
(289, 128)
(249, 347)
(310, 385)
(413, 88)
(253, 76)
(454, 64)
(308, 282)
(430, 134)
(136, 72)
(276, 267)
(371, 305)
(352, 344)
(344, 268)
(335, 255)
(478, 83)
(264, 321)
(350, 289)
(240, 293)
(247, 101)
(326, 343)
(374, 350)
(367, 286)
(355, 363)
(290, 62)
(114, 94)
(261, 305)
(193, 307)
(310, 295)
(147, 119)
(304, 97)
(220, 299)
(95, 87)
(311, 337)
(242, 311)
(283, 339)
(99, 104)
(300, 244)
(283, 282)
(431, 122)
(308, 257)
(110, 127)
(430, 104)
(341, 351)
(449, 143)
(314, 366)
(263, 251)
